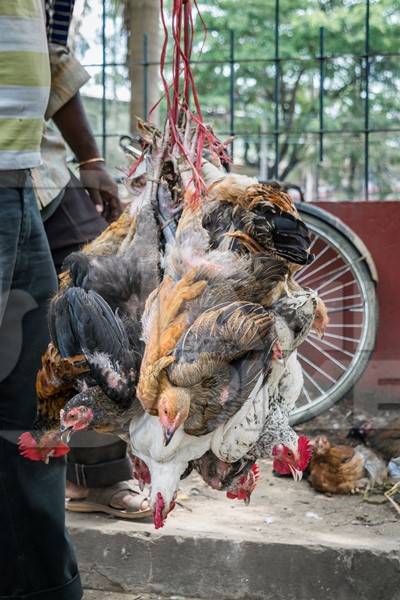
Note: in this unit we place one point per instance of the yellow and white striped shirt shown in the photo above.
(24, 82)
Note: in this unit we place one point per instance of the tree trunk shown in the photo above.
(143, 17)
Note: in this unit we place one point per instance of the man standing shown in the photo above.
(36, 559)
(75, 211)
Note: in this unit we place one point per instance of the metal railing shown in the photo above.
(277, 61)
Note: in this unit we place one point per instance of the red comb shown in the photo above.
(304, 447)
(158, 518)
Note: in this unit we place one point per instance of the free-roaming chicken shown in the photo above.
(343, 469)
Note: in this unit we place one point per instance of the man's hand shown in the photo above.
(102, 189)
(75, 128)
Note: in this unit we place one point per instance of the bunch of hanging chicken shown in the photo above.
(177, 329)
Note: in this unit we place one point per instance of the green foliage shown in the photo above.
(341, 173)
(253, 23)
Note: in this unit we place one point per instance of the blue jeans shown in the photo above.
(36, 558)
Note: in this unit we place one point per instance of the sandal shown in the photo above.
(100, 500)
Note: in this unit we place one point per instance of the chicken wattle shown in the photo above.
(43, 447)
(245, 486)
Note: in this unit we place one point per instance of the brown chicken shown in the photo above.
(56, 382)
(258, 217)
(167, 320)
(336, 469)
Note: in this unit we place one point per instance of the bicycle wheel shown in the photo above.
(342, 277)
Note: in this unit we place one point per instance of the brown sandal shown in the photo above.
(100, 500)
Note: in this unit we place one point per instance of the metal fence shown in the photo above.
(322, 132)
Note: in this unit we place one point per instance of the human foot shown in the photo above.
(121, 499)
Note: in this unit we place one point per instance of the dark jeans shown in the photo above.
(36, 557)
(95, 460)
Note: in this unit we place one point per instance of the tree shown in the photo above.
(298, 84)
(142, 22)
(341, 172)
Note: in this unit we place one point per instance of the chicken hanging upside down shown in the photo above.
(186, 316)
(55, 383)
(214, 350)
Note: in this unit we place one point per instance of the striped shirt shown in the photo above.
(58, 20)
(24, 82)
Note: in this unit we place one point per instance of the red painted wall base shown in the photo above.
(378, 225)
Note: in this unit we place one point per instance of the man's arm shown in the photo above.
(73, 124)
(66, 109)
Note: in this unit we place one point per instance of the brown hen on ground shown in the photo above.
(336, 469)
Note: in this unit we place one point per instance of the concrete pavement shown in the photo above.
(289, 544)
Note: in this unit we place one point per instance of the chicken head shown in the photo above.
(292, 460)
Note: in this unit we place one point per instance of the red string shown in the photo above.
(182, 91)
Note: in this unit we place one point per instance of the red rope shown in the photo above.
(182, 91)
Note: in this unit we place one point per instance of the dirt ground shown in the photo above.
(281, 511)
(282, 508)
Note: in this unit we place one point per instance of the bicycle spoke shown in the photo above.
(325, 275)
(302, 271)
(324, 353)
(339, 273)
(333, 346)
(335, 289)
(316, 238)
(314, 383)
(343, 325)
(342, 298)
(344, 268)
(307, 395)
(317, 368)
(342, 337)
(323, 266)
(353, 308)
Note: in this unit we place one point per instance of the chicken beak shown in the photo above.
(319, 332)
(299, 474)
(168, 435)
(247, 500)
(66, 433)
(296, 473)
